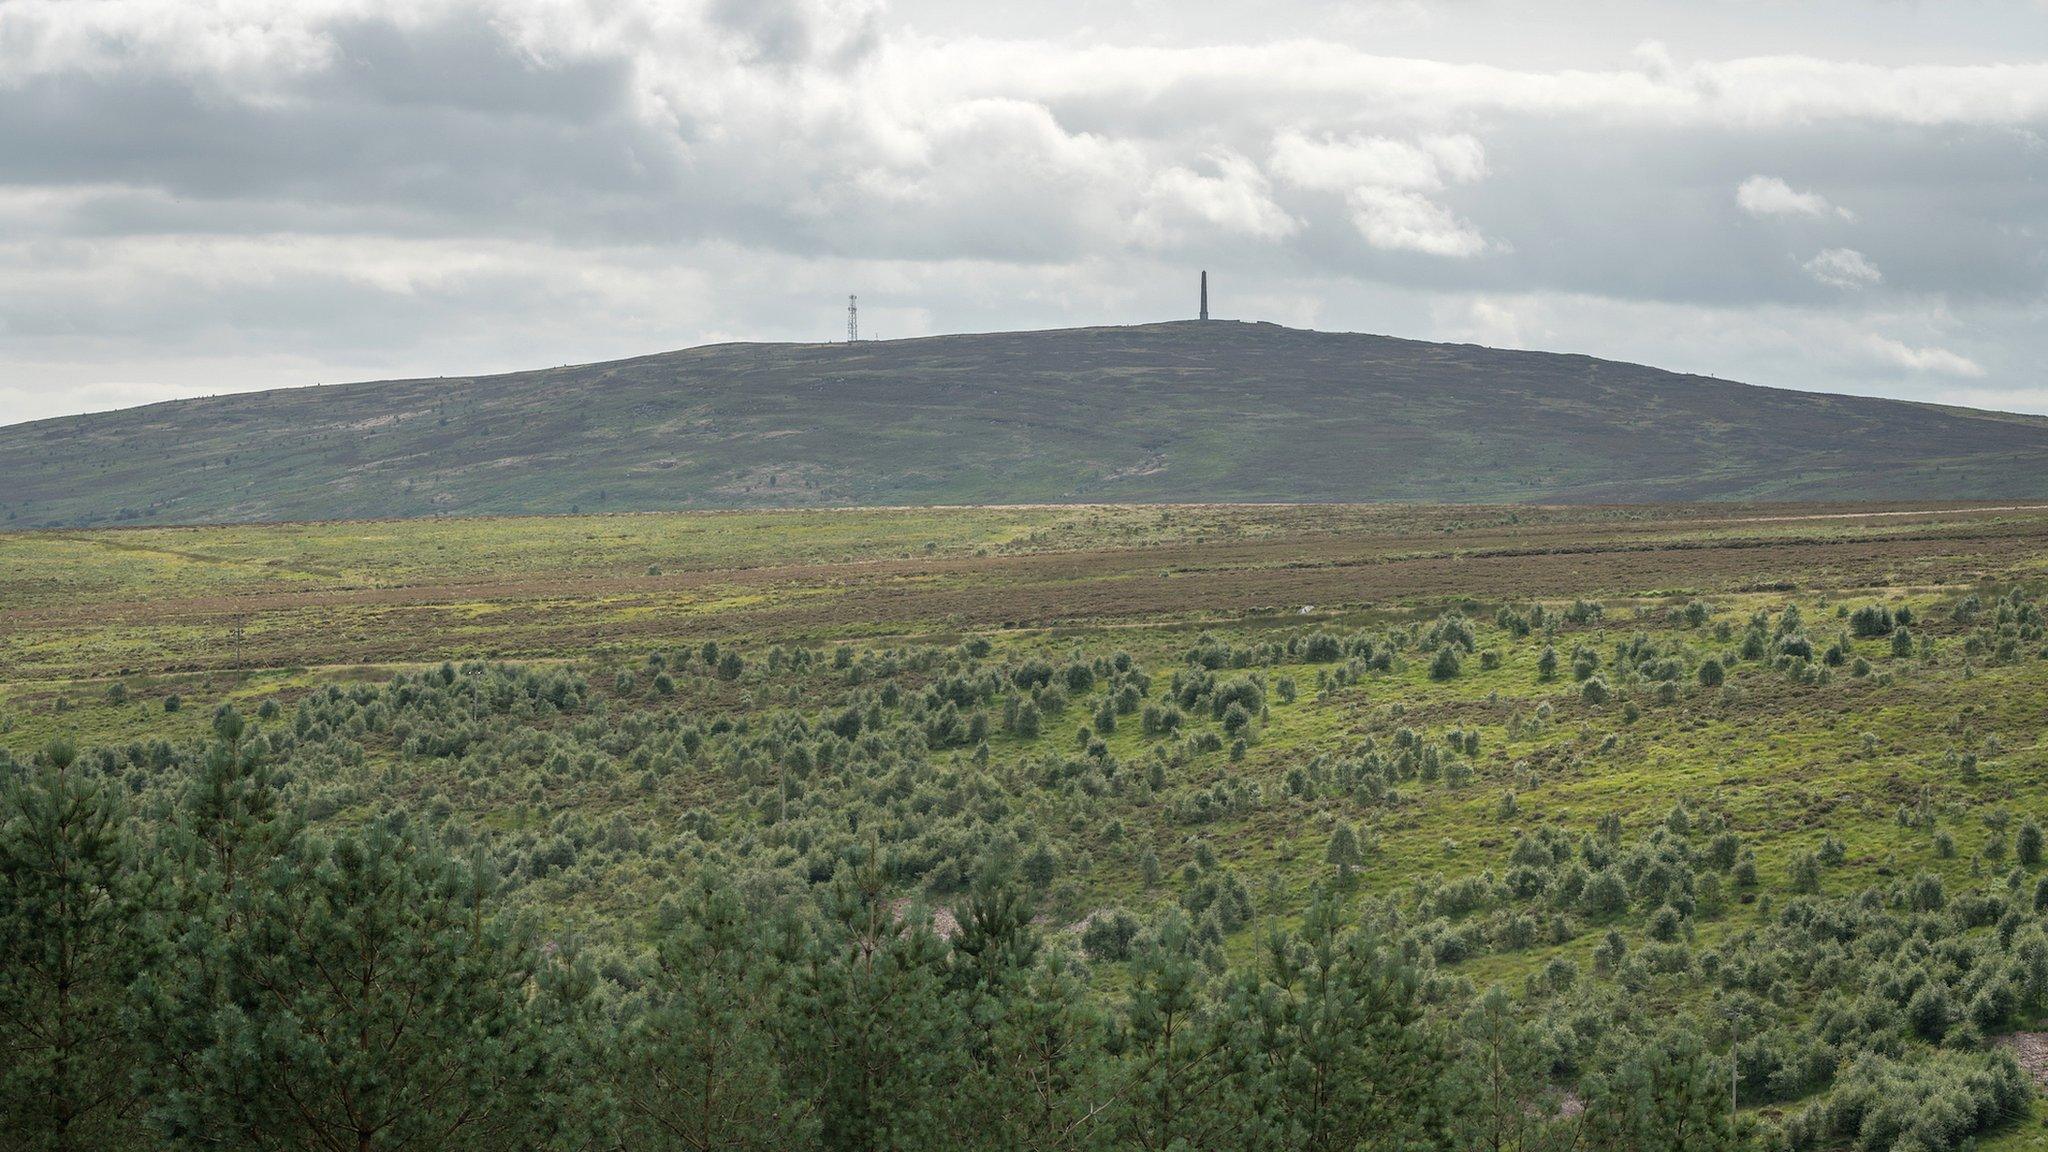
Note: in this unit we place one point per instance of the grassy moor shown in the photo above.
(1159, 412)
(1593, 798)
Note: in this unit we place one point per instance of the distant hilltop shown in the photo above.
(1184, 411)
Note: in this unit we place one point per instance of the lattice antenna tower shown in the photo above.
(852, 319)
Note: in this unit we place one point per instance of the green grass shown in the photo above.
(1783, 763)
(84, 604)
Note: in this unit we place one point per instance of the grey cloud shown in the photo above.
(367, 182)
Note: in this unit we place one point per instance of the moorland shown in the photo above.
(1188, 411)
(1035, 827)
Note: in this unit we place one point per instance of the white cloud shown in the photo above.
(1748, 92)
(1497, 323)
(1409, 221)
(1784, 346)
(1999, 399)
(1769, 196)
(686, 51)
(1383, 181)
(1235, 200)
(1939, 361)
(1335, 165)
(1843, 268)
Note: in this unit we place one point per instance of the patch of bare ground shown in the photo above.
(943, 923)
(1080, 927)
(2030, 1049)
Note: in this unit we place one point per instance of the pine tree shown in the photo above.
(876, 1045)
(1336, 1050)
(1036, 1066)
(1343, 853)
(1667, 1096)
(212, 862)
(70, 943)
(1176, 1085)
(578, 1102)
(699, 1069)
(1502, 1102)
(230, 823)
(369, 1001)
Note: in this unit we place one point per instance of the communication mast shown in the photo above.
(852, 319)
(1205, 294)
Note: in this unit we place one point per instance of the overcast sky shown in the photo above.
(201, 196)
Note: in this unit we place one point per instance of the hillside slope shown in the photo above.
(1181, 411)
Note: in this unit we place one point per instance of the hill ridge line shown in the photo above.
(1214, 412)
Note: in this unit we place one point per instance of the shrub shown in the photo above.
(2028, 846)
(1109, 935)
(1343, 851)
(1722, 850)
(1606, 894)
(1926, 893)
(1665, 924)
(1445, 666)
(1321, 648)
(1242, 691)
(1929, 1106)
(1806, 873)
(1871, 621)
(1928, 1011)
(1040, 867)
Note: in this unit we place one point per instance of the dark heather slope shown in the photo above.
(1192, 411)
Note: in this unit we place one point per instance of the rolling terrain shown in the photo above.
(1186, 411)
(1753, 789)
(380, 593)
